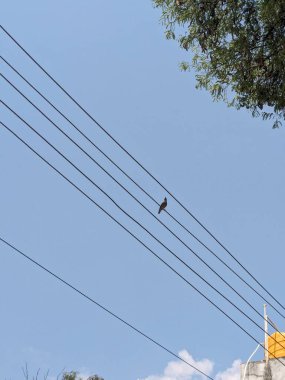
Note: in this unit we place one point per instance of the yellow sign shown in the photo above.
(276, 345)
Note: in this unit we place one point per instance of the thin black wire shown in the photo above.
(140, 225)
(102, 307)
(137, 239)
(105, 155)
(142, 167)
(132, 218)
(165, 226)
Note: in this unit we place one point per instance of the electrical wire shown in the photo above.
(108, 311)
(150, 250)
(139, 164)
(192, 251)
(118, 167)
(138, 223)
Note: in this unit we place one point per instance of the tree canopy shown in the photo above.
(238, 50)
(74, 376)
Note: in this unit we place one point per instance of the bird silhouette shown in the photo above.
(163, 205)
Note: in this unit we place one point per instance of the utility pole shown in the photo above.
(266, 353)
(273, 369)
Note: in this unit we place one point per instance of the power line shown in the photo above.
(83, 294)
(136, 238)
(94, 161)
(139, 224)
(192, 251)
(141, 166)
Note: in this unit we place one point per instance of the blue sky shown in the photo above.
(223, 164)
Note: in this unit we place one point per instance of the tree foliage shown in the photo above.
(238, 50)
(74, 376)
(70, 376)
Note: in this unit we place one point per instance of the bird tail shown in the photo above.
(159, 211)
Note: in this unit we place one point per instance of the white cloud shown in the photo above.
(84, 373)
(83, 376)
(177, 370)
(232, 373)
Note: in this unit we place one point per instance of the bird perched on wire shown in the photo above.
(163, 205)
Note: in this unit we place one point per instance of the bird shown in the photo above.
(163, 205)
